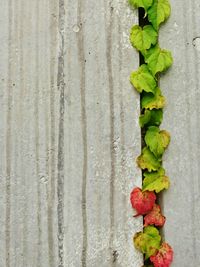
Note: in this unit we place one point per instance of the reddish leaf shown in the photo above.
(164, 256)
(154, 217)
(142, 201)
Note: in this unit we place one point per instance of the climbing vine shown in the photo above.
(145, 80)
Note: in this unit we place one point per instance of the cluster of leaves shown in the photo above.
(145, 81)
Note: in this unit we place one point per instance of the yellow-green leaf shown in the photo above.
(158, 60)
(141, 3)
(151, 117)
(148, 161)
(143, 38)
(150, 101)
(159, 12)
(156, 181)
(143, 80)
(157, 140)
(148, 242)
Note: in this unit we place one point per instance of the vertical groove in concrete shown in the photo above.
(60, 182)
(81, 57)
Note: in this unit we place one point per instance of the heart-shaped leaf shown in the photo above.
(155, 181)
(142, 202)
(148, 242)
(158, 60)
(154, 217)
(142, 79)
(163, 257)
(143, 38)
(148, 161)
(151, 117)
(159, 12)
(141, 3)
(157, 140)
(150, 101)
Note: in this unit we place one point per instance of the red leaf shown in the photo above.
(142, 201)
(164, 256)
(154, 217)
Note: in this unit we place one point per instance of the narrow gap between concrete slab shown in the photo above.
(143, 20)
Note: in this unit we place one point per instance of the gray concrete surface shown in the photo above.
(69, 134)
(181, 85)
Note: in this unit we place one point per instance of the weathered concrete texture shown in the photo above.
(181, 86)
(28, 133)
(102, 135)
(69, 134)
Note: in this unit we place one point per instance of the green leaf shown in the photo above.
(141, 3)
(158, 60)
(142, 79)
(150, 101)
(148, 242)
(151, 117)
(142, 39)
(148, 161)
(157, 140)
(159, 12)
(155, 181)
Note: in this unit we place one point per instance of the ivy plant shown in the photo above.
(146, 81)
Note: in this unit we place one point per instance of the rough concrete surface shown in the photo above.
(69, 134)
(181, 86)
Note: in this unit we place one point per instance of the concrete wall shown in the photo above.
(69, 133)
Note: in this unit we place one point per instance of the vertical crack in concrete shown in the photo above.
(60, 181)
(81, 55)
